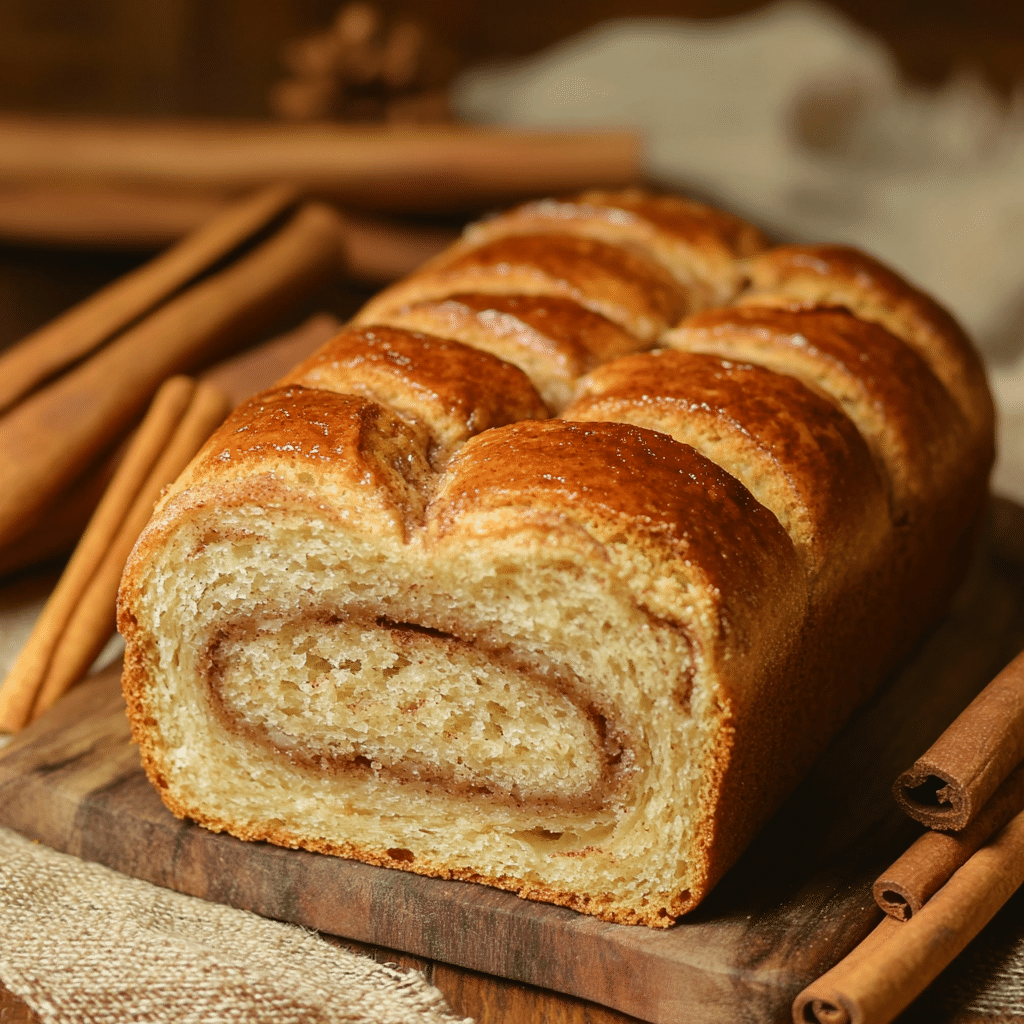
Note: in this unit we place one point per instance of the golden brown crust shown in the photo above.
(552, 340)
(838, 275)
(617, 283)
(781, 440)
(909, 421)
(450, 389)
(690, 518)
(293, 435)
(594, 337)
(697, 244)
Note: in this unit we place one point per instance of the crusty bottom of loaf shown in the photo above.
(506, 714)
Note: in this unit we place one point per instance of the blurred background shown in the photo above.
(223, 57)
(896, 125)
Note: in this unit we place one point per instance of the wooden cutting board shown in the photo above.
(797, 902)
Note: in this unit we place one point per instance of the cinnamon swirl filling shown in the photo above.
(414, 706)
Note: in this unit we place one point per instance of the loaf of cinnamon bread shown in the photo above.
(560, 564)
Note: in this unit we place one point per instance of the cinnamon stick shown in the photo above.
(927, 865)
(47, 438)
(952, 781)
(819, 1003)
(84, 327)
(377, 251)
(880, 978)
(58, 528)
(395, 168)
(18, 693)
(102, 217)
(92, 621)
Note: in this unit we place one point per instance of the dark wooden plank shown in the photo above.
(490, 1000)
(797, 901)
(14, 1010)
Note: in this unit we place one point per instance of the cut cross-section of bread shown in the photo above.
(535, 682)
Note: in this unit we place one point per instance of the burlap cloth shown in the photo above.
(82, 944)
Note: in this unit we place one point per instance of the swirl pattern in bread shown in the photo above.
(559, 566)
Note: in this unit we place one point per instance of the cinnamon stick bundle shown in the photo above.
(84, 327)
(92, 621)
(903, 889)
(400, 169)
(52, 434)
(947, 786)
(108, 534)
(883, 975)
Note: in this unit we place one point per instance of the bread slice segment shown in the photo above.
(620, 284)
(809, 276)
(697, 244)
(449, 389)
(543, 701)
(910, 423)
(782, 441)
(552, 340)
